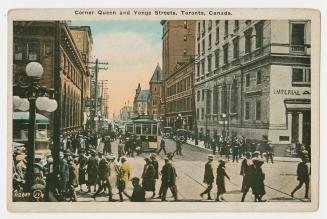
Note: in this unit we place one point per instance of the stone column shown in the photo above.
(289, 125)
(300, 127)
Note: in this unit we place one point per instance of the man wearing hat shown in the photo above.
(168, 179)
(155, 164)
(208, 176)
(124, 174)
(92, 171)
(20, 167)
(248, 173)
(138, 194)
(162, 146)
(64, 170)
(303, 176)
(82, 161)
(102, 175)
(220, 180)
(148, 181)
(112, 175)
(270, 153)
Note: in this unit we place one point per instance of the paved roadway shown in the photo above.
(280, 177)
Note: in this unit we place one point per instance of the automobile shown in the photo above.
(182, 135)
(167, 132)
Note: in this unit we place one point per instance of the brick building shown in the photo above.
(35, 41)
(178, 72)
(253, 79)
(156, 93)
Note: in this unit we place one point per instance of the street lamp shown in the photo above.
(224, 122)
(178, 121)
(29, 96)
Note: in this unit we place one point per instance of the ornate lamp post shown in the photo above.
(224, 122)
(29, 96)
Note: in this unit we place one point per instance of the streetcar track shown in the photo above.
(269, 187)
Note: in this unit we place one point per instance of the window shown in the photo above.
(199, 27)
(209, 63)
(209, 41)
(258, 110)
(209, 25)
(48, 49)
(33, 51)
(203, 26)
(184, 51)
(297, 37)
(197, 113)
(203, 46)
(236, 25)
(259, 75)
(202, 66)
(247, 80)
(259, 34)
(216, 58)
(198, 96)
(225, 53)
(198, 69)
(20, 51)
(217, 35)
(234, 97)
(208, 102)
(215, 100)
(224, 99)
(247, 110)
(202, 95)
(185, 24)
(247, 35)
(199, 50)
(226, 29)
(202, 113)
(185, 38)
(236, 49)
(301, 75)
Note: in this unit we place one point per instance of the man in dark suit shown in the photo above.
(162, 146)
(303, 176)
(208, 176)
(156, 170)
(168, 179)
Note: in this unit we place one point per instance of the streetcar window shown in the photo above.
(138, 129)
(129, 128)
(146, 129)
(154, 129)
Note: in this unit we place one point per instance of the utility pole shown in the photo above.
(96, 71)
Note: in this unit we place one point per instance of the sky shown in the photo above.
(133, 50)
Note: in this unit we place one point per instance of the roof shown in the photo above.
(143, 95)
(25, 116)
(157, 75)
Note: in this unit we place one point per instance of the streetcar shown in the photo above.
(145, 130)
(20, 133)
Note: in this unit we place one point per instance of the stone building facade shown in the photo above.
(140, 102)
(252, 78)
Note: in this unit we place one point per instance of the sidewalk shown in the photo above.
(279, 159)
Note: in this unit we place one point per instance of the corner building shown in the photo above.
(178, 44)
(253, 79)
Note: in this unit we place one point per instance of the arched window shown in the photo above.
(234, 97)
(224, 98)
(215, 101)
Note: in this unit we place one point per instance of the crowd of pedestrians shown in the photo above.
(87, 161)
